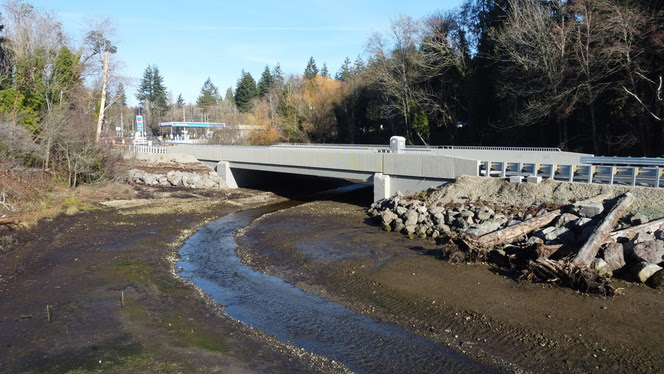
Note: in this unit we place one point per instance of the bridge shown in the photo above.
(391, 168)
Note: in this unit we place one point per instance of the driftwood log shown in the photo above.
(589, 250)
(487, 241)
(630, 232)
(507, 234)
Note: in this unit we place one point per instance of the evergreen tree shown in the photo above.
(245, 91)
(209, 96)
(311, 70)
(359, 66)
(265, 82)
(278, 76)
(152, 94)
(229, 98)
(324, 71)
(121, 97)
(344, 71)
(180, 101)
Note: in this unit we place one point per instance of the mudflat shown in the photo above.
(97, 292)
(333, 250)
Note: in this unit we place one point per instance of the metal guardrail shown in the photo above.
(419, 147)
(488, 148)
(629, 161)
(623, 175)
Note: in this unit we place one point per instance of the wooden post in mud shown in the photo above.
(122, 298)
(48, 313)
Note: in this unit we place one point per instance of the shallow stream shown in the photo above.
(269, 304)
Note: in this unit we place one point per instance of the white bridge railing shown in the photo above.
(605, 174)
(147, 149)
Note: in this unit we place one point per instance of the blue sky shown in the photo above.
(192, 40)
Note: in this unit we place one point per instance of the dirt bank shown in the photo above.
(105, 280)
(333, 250)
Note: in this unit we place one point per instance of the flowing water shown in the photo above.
(269, 304)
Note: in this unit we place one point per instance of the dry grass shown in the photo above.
(28, 195)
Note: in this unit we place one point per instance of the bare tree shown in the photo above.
(98, 44)
(535, 44)
(394, 67)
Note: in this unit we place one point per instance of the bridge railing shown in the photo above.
(624, 175)
(147, 148)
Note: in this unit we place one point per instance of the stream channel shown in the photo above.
(275, 307)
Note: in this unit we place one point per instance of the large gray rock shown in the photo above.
(468, 216)
(411, 217)
(484, 214)
(544, 231)
(580, 224)
(150, 180)
(651, 251)
(614, 256)
(435, 210)
(488, 226)
(443, 228)
(564, 219)
(174, 178)
(643, 237)
(409, 230)
(386, 218)
(644, 270)
(588, 208)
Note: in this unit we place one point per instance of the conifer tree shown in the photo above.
(344, 71)
(265, 82)
(180, 101)
(152, 94)
(311, 70)
(277, 75)
(209, 96)
(229, 98)
(245, 91)
(324, 71)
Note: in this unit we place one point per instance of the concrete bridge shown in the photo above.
(391, 168)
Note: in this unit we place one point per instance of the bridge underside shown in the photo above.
(239, 174)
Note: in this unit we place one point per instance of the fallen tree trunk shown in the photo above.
(512, 232)
(507, 234)
(589, 250)
(630, 232)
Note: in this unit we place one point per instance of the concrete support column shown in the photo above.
(224, 171)
(382, 186)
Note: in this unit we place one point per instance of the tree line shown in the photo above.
(582, 75)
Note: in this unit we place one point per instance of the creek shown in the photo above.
(267, 303)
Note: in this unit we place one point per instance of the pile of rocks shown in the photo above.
(414, 218)
(176, 178)
(639, 257)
